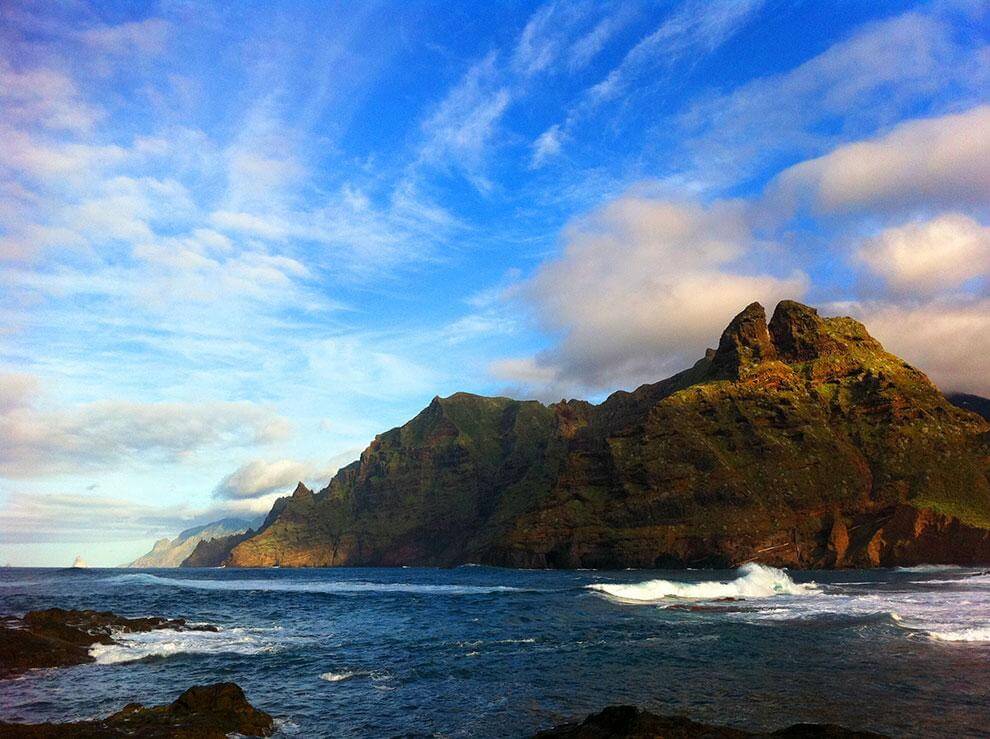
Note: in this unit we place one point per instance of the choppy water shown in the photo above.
(488, 652)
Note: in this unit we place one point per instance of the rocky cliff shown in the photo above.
(171, 552)
(798, 442)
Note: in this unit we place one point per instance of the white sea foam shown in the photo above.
(975, 634)
(754, 581)
(168, 642)
(338, 677)
(929, 568)
(342, 587)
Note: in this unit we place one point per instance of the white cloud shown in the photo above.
(17, 390)
(924, 162)
(261, 477)
(32, 517)
(872, 79)
(643, 286)
(46, 97)
(35, 441)
(696, 27)
(948, 338)
(145, 37)
(546, 145)
(929, 256)
(265, 479)
(464, 123)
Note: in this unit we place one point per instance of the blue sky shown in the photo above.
(235, 243)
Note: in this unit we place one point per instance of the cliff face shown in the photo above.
(171, 552)
(800, 442)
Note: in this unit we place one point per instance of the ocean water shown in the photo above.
(477, 651)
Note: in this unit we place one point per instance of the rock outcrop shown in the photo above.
(59, 638)
(172, 552)
(799, 442)
(202, 712)
(629, 722)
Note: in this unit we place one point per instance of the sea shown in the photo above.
(487, 652)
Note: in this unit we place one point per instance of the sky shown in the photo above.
(237, 240)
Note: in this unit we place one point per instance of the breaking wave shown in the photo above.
(169, 642)
(929, 568)
(754, 581)
(978, 634)
(338, 677)
(342, 587)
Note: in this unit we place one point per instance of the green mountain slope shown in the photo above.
(800, 442)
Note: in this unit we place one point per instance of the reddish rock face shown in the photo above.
(799, 443)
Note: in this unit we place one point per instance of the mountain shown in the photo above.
(796, 443)
(974, 403)
(171, 552)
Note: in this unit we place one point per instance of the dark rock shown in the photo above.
(629, 722)
(798, 333)
(56, 637)
(746, 341)
(202, 712)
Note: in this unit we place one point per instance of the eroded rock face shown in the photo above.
(745, 342)
(795, 443)
(202, 712)
(56, 637)
(629, 722)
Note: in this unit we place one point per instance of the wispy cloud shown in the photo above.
(35, 441)
(874, 77)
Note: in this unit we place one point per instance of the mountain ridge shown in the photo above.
(798, 442)
(172, 552)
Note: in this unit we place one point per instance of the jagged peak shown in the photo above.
(301, 491)
(798, 333)
(745, 341)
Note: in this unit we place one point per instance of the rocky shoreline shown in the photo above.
(201, 712)
(56, 637)
(629, 722)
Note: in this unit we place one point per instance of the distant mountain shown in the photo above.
(171, 552)
(800, 442)
(214, 551)
(974, 403)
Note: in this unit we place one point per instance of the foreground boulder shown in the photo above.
(202, 712)
(56, 637)
(799, 442)
(629, 722)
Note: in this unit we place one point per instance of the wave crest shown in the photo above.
(336, 587)
(168, 642)
(754, 581)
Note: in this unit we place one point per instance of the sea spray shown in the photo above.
(754, 581)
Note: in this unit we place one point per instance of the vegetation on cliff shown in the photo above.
(798, 442)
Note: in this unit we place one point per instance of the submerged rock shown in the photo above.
(202, 712)
(629, 722)
(56, 637)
